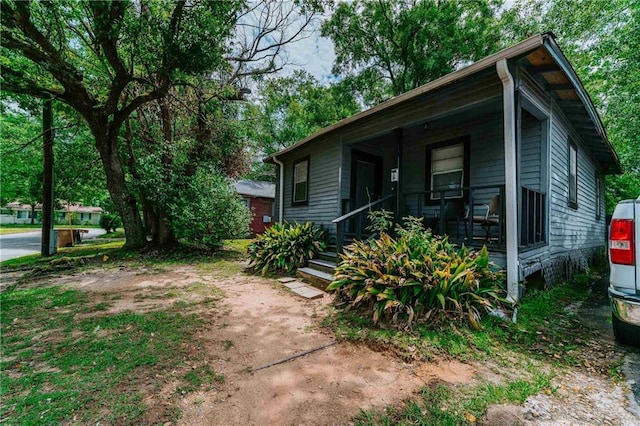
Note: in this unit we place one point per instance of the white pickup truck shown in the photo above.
(624, 279)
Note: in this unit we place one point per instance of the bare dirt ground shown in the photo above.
(252, 321)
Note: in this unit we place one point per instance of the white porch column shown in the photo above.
(510, 179)
(280, 190)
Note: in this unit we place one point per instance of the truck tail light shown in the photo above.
(621, 243)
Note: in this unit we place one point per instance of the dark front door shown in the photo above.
(366, 186)
(366, 178)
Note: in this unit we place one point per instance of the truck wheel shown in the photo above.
(624, 333)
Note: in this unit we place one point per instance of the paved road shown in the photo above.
(17, 245)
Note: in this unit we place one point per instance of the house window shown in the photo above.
(598, 196)
(573, 175)
(301, 181)
(245, 201)
(447, 171)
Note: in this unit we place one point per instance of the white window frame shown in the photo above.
(299, 178)
(572, 186)
(436, 195)
(598, 196)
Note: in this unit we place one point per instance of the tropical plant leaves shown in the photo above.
(286, 247)
(417, 276)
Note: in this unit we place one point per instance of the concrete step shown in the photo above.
(330, 256)
(323, 265)
(304, 290)
(316, 278)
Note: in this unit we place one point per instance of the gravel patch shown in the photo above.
(583, 400)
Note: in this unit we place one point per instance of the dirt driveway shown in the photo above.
(252, 321)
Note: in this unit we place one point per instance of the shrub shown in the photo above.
(284, 248)
(417, 277)
(109, 222)
(208, 211)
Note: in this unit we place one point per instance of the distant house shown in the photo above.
(17, 213)
(258, 196)
(508, 152)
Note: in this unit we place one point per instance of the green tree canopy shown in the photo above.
(602, 41)
(106, 59)
(390, 47)
(21, 165)
(290, 109)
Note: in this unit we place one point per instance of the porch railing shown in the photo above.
(532, 218)
(355, 221)
(474, 218)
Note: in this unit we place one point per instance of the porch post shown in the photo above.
(510, 179)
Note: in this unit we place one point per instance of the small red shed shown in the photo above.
(258, 196)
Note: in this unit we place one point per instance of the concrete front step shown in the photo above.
(304, 290)
(323, 265)
(329, 256)
(316, 278)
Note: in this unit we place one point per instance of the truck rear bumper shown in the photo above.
(625, 307)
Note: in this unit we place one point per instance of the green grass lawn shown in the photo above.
(12, 230)
(6, 229)
(91, 248)
(60, 369)
(65, 361)
(58, 366)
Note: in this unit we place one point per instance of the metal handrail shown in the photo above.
(361, 209)
(340, 221)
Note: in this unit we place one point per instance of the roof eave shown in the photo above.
(562, 61)
(508, 53)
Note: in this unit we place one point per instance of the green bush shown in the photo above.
(109, 222)
(417, 277)
(208, 211)
(284, 248)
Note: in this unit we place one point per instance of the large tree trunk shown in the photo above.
(124, 201)
(155, 217)
(162, 234)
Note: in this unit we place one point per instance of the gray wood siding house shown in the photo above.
(508, 152)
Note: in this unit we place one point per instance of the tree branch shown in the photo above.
(26, 144)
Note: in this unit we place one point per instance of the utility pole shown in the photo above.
(48, 239)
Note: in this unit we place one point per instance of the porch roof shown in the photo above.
(545, 60)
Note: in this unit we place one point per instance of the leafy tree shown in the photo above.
(79, 178)
(21, 165)
(601, 41)
(177, 141)
(106, 59)
(389, 47)
(290, 109)
(208, 211)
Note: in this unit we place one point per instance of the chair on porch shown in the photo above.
(491, 216)
(456, 212)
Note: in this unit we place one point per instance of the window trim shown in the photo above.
(293, 182)
(573, 203)
(466, 169)
(599, 196)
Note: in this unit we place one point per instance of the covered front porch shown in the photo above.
(451, 170)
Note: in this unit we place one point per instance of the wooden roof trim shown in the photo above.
(557, 55)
